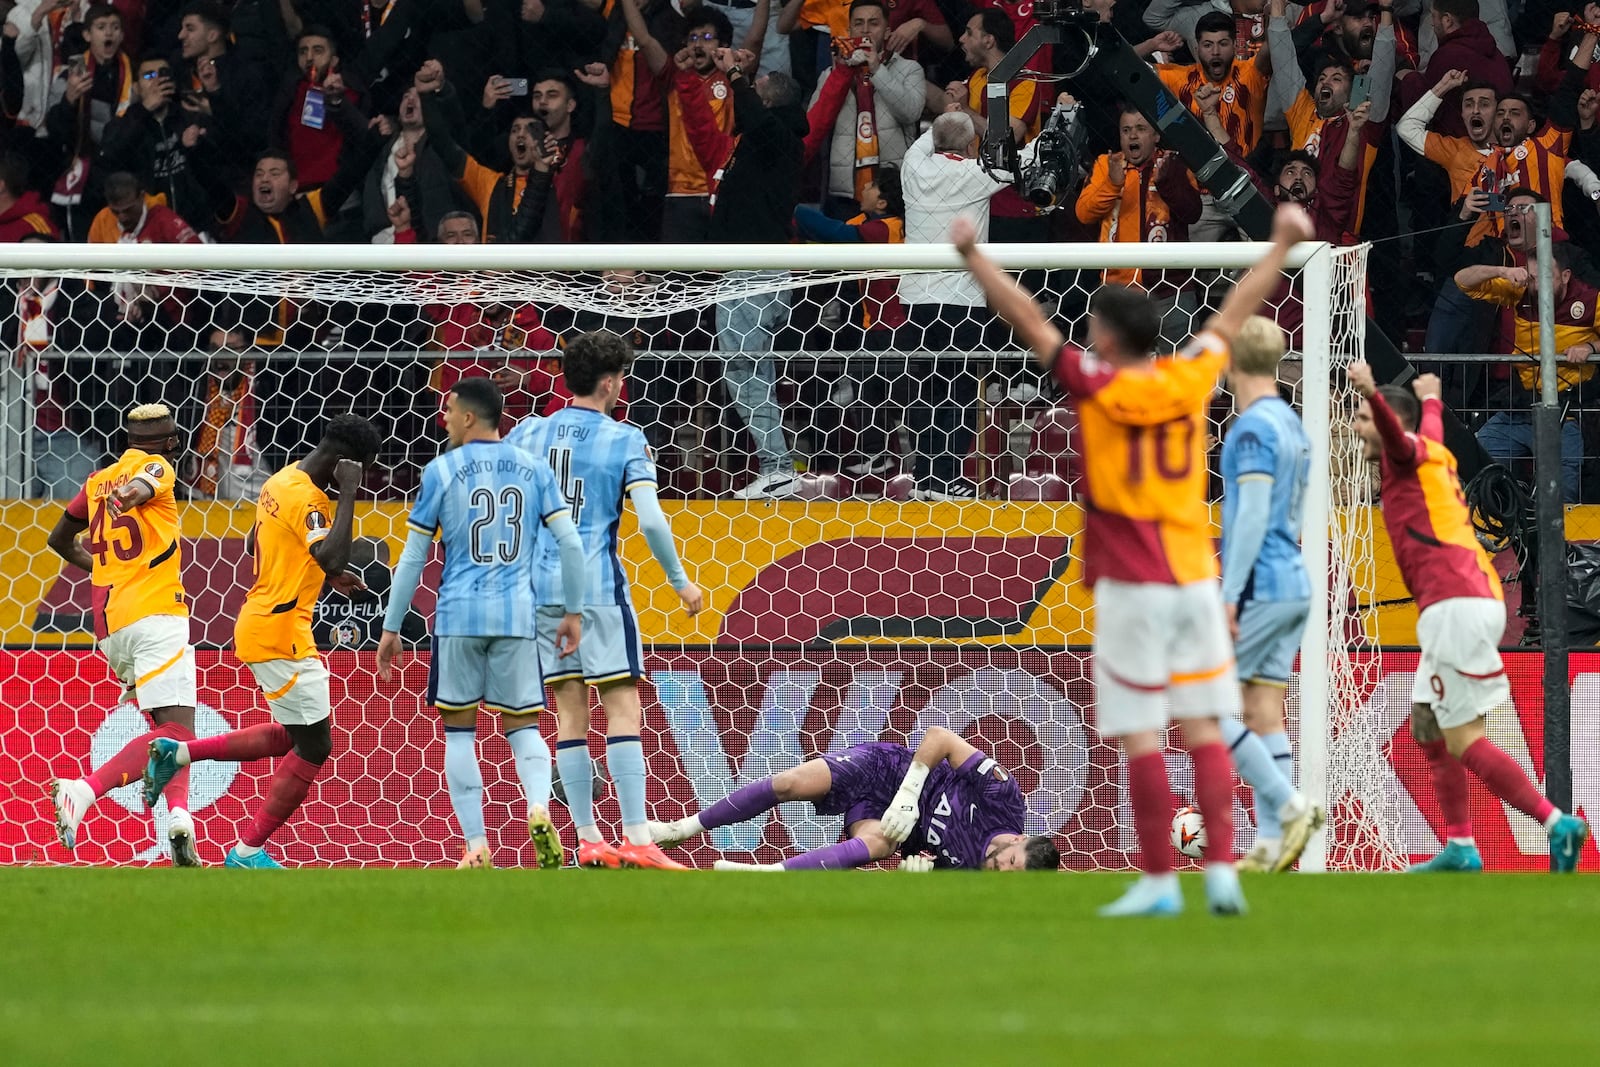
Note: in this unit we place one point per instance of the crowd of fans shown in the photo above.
(1426, 126)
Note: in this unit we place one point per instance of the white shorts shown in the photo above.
(154, 661)
(296, 689)
(1158, 647)
(1460, 675)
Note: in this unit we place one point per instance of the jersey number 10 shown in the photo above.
(1152, 446)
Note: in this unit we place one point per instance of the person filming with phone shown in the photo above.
(498, 195)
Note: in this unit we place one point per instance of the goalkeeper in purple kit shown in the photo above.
(946, 800)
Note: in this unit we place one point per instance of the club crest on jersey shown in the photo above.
(1521, 152)
(1228, 95)
(1578, 309)
(719, 90)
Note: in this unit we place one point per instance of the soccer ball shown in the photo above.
(1189, 832)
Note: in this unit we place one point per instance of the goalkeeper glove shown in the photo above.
(921, 863)
(900, 818)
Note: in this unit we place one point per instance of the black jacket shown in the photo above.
(761, 180)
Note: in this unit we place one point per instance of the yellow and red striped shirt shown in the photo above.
(1244, 98)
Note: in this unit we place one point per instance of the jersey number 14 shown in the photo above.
(571, 488)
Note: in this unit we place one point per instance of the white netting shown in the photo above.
(918, 570)
(1365, 810)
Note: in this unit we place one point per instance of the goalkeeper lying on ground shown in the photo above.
(947, 799)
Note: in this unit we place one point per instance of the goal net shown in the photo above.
(878, 494)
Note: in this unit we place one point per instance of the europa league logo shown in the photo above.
(208, 780)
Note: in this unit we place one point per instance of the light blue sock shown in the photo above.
(625, 757)
(533, 763)
(577, 780)
(1278, 745)
(1260, 772)
(465, 779)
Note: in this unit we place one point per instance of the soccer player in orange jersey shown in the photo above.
(140, 616)
(1160, 633)
(1460, 617)
(301, 542)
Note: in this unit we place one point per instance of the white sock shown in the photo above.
(246, 850)
(179, 819)
(689, 827)
(182, 758)
(1553, 818)
(589, 833)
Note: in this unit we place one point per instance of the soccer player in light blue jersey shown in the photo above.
(1266, 460)
(598, 462)
(485, 499)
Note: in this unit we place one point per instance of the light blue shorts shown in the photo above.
(501, 673)
(609, 651)
(1270, 632)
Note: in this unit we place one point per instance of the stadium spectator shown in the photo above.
(686, 217)
(632, 161)
(945, 311)
(1442, 25)
(1516, 155)
(755, 185)
(988, 36)
(1515, 290)
(228, 87)
(38, 42)
(405, 160)
(1144, 194)
(22, 213)
(1457, 322)
(1184, 17)
(818, 28)
(164, 142)
(497, 195)
(887, 87)
(1466, 45)
(555, 103)
(149, 317)
(302, 118)
(1330, 196)
(1318, 116)
(99, 86)
(1241, 86)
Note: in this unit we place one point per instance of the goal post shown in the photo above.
(853, 610)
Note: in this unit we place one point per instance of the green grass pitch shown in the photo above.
(498, 967)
